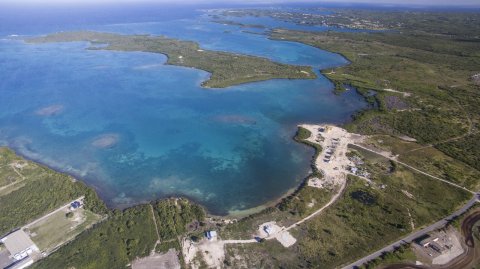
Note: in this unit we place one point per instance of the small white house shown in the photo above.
(354, 170)
(212, 235)
(269, 229)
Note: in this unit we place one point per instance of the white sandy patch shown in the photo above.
(106, 141)
(50, 110)
(321, 183)
(407, 138)
(286, 239)
(332, 161)
(274, 228)
(305, 72)
(147, 66)
(409, 195)
(405, 94)
(277, 232)
(212, 252)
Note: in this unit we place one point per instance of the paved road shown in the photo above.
(410, 238)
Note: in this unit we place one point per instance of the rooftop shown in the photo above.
(17, 242)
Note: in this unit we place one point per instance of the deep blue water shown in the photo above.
(229, 149)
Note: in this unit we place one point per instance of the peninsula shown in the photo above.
(227, 69)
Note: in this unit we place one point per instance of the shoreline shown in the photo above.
(233, 214)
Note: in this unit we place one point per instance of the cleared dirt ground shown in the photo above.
(167, 260)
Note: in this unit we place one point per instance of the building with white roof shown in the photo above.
(19, 245)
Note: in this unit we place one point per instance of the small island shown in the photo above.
(227, 69)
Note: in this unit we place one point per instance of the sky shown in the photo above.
(401, 2)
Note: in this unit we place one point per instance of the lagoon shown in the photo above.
(138, 130)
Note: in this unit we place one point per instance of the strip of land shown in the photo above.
(227, 69)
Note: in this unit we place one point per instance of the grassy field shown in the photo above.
(430, 160)
(55, 230)
(7, 171)
(10, 178)
(226, 69)
(39, 191)
(402, 254)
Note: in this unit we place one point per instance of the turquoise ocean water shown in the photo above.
(137, 129)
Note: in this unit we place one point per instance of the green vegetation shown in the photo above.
(352, 228)
(401, 254)
(301, 136)
(268, 254)
(428, 67)
(126, 235)
(457, 221)
(113, 243)
(40, 190)
(466, 149)
(305, 201)
(444, 100)
(460, 25)
(8, 174)
(430, 160)
(366, 217)
(455, 24)
(246, 227)
(234, 23)
(60, 227)
(174, 216)
(226, 69)
(167, 245)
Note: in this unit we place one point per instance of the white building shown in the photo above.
(19, 245)
(269, 229)
(212, 235)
